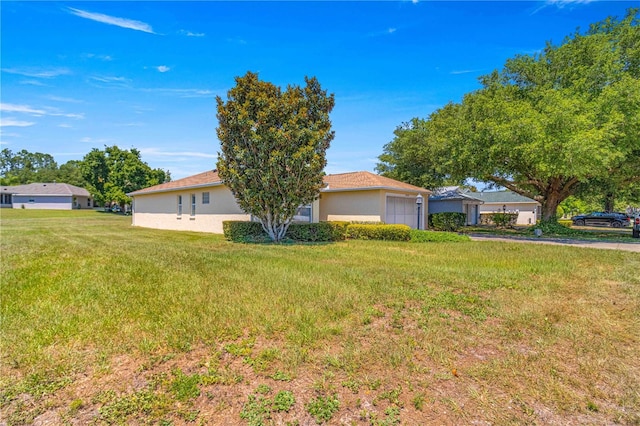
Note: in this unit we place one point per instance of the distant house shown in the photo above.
(457, 200)
(202, 202)
(509, 202)
(52, 196)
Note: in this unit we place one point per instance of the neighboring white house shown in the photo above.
(507, 201)
(456, 200)
(52, 196)
(202, 202)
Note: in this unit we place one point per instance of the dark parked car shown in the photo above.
(616, 220)
(636, 227)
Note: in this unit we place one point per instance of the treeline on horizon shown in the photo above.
(107, 174)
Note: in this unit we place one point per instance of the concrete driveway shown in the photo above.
(562, 242)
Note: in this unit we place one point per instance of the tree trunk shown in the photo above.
(549, 209)
(550, 206)
(609, 201)
(275, 230)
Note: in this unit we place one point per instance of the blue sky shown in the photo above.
(82, 75)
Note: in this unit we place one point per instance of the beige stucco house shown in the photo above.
(527, 209)
(47, 196)
(202, 202)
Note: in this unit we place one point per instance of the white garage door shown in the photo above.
(402, 210)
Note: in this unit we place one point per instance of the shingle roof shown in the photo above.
(51, 189)
(201, 179)
(364, 180)
(451, 193)
(502, 197)
(337, 182)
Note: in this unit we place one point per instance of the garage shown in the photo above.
(402, 210)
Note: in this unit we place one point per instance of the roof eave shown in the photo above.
(178, 188)
(374, 188)
(512, 202)
(40, 194)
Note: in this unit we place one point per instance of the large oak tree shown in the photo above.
(273, 146)
(545, 126)
(115, 172)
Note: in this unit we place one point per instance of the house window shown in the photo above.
(179, 206)
(193, 205)
(205, 198)
(303, 214)
(88, 202)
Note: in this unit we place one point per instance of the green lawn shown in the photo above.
(104, 323)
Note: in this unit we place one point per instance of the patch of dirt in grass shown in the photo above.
(434, 395)
(390, 369)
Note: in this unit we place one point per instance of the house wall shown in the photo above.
(369, 206)
(526, 211)
(51, 202)
(443, 206)
(160, 210)
(44, 202)
(83, 203)
(358, 206)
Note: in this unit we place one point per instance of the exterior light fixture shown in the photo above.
(419, 200)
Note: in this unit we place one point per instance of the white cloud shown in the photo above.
(105, 58)
(163, 68)
(107, 79)
(191, 34)
(10, 122)
(383, 33)
(38, 112)
(560, 4)
(457, 72)
(62, 99)
(113, 20)
(563, 3)
(92, 140)
(184, 93)
(38, 72)
(65, 126)
(22, 109)
(33, 83)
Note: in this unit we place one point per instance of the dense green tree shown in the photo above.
(26, 167)
(273, 147)
(71, 173)
(95, 172)
(547, 124)
(112, 173)
(415, 156)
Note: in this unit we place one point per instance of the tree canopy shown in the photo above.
(546, 126)
(26, 167)
(273, 147)
(114, 172)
